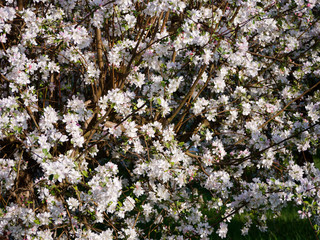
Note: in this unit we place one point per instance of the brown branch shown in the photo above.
(99, 48)
(201, 71)
(180, 123)
(164, 21)
(197, 157)
(274, 58)
(292, 101)
(100, 89)
(20, 5)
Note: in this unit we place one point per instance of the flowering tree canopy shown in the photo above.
(156, 119)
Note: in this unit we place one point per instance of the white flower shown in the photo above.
(168, 134)
(223, 230)
(147, 209)
(49, 117)
(138, 190)
(128, 204)
(73, 203)
(296, 172)
(131, 20)
(44, 218)
(246, 108)
(200, 105)
(131, 234)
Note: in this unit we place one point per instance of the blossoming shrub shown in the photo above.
(149, 119)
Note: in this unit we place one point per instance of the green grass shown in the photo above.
(287, 226)
(316, 160)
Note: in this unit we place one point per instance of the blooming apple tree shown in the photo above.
(132, 119)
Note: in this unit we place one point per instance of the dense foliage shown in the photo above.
(156, 119)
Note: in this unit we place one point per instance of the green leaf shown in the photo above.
(84, 173)
(37, 221)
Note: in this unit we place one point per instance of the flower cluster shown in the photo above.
(156, 119)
